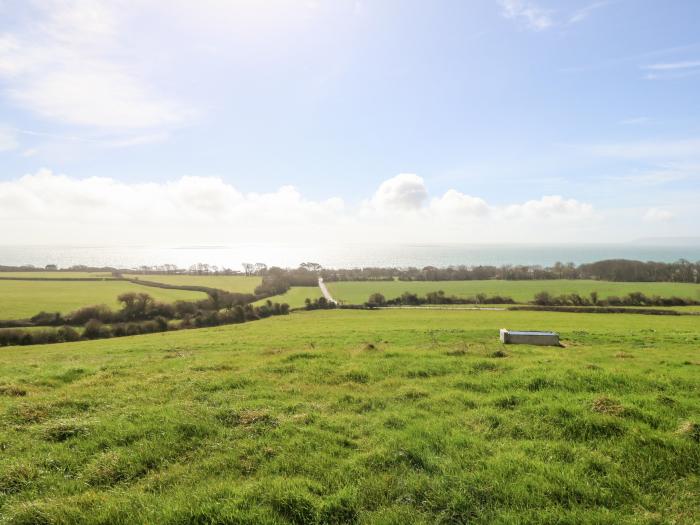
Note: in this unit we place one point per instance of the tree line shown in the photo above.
(540, 299)
(439, 297)
(139, 313)
(276, 278)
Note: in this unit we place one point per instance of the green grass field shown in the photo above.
(57, 275)
(21, 299)
(295, 296)
(230, 283)
(358, 417)
(521, 291)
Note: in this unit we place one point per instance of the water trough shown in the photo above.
(529, 338)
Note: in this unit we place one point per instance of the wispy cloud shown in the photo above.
(633, 121)
(651, 149)
(533, 16)
(63, 67)
(8, 139)
(673, 66)
(538, 18)
(663, 174)
(582, 14)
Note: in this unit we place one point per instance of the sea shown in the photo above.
(348, 255)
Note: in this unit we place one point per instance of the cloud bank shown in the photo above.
(47, 208)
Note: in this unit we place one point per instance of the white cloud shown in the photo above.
(658, 215)
(46, 208)
(549, 207)
(405, 191)
(533, 16)
(454, 202)
(71, 66)
(8, 139)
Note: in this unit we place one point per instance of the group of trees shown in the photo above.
(319, 304)
(631, 299)
(139, 314)
(439, 297)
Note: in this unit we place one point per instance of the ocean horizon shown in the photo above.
(350, 255)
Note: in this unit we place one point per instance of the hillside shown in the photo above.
(358, 416)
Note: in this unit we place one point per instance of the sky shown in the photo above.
(223, 121)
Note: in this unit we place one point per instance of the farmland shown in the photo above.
(521, 291)
(56, 275)
(20, 299)
(358, 417)
(229, 283)
(295, 296)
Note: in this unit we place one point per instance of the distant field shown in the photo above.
(521, 291)
(230, 283)
(21, 299)
(57, 275)
(295, 296)
(386, 417)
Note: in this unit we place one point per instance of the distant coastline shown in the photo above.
(351, 255)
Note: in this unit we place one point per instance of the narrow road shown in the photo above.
(325, 291)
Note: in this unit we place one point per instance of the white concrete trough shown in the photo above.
(529, 338)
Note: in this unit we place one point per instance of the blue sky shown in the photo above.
(581, 117)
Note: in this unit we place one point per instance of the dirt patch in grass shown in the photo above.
(64, 429)
(691, 429)
(247, 418)
(606, 405)
(12, 391)
(214, 368)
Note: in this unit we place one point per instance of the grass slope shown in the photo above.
(230, 283)
(521, 291)
(21, 299)
(358, 417)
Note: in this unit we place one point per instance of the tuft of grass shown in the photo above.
(15, 477)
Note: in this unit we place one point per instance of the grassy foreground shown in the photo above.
(21, 299)
(521, 291)
(358, 417)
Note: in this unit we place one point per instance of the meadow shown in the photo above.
(357, 292)
(229, 283)
(57, 275)
(21, 299)
(295, 297)
(342, 416)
